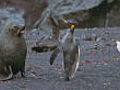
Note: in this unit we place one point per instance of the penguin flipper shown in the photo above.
(54, 55)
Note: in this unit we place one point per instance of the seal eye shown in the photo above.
(14, 30)
(15, 27)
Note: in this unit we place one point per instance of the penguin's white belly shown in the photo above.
(71, 59)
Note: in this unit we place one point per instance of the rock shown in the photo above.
(45, 45)
(87, 13)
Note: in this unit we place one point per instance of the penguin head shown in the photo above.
(69, 35)
(14, 29)
(72, 27)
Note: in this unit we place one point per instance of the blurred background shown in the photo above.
(85, 13)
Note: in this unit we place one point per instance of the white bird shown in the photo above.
(118, 45)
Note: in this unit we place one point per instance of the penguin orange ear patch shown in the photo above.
(72, 26)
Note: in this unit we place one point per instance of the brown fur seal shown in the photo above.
(12, 50)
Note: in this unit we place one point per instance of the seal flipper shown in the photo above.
(10, 75)
(54, 55)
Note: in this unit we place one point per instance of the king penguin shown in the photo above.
(70, 53)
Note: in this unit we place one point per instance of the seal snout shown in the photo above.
(22, 30)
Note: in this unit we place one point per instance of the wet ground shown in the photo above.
(99, 68)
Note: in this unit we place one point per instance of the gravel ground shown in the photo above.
(99, 68)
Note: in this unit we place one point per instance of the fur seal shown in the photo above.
(70, 54)
(12, 50)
